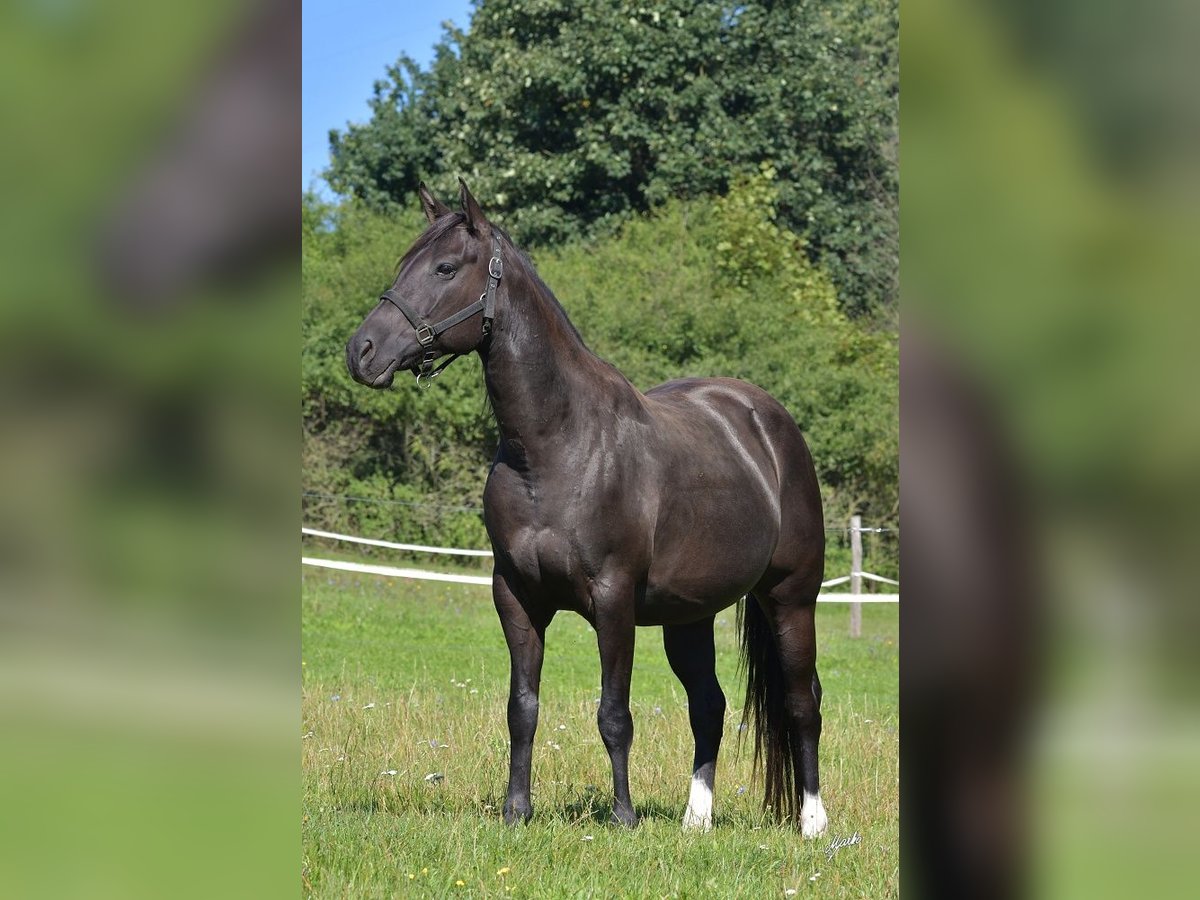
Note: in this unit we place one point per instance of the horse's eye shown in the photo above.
(445, 269)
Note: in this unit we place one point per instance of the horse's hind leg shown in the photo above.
(693, 660)
(779, 629)
(796, 634)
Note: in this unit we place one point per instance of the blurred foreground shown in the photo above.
(1049, 447)
(148, 638)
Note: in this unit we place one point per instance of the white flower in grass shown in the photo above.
(790, 892)
(388, 772)
(434, 777)
(586, 837)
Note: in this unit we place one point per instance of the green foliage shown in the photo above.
(714, 287)
(407, 447)
(704, 287)
(574, 116)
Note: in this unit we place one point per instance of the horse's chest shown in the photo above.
(547, 560)
(556, 538)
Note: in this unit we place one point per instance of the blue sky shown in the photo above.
(347, 44)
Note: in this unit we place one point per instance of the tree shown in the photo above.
(571, 117)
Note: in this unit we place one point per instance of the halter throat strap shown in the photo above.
(427, 333)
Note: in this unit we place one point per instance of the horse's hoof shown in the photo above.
(517, 813)
(626, 817)
(813, 820)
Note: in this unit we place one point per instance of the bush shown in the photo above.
(702, 287)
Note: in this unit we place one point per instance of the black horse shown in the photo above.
(630, 509)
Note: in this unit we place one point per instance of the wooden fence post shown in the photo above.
(855, 577)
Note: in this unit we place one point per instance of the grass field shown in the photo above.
(406, 681)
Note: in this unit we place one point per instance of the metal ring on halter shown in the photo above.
(426, 371)
(496, 267)
(487, 323)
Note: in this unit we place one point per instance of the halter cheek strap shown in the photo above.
(427, 333)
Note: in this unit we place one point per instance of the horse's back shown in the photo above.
(741, 411)
(725, 395)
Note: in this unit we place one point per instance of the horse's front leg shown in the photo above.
(525, 634)
(615, 636)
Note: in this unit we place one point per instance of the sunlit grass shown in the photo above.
(405, 755)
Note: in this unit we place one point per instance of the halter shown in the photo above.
(427, 333)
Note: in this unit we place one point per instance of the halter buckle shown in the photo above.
(496, 267)
(425, 334)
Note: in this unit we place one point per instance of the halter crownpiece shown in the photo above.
(427, 333)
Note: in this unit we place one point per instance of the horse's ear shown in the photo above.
(475, 217)
(431, 205)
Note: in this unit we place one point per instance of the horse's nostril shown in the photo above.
(367, 351)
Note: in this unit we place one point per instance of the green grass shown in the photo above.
(411, 678)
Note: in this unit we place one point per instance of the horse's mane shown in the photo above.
(536, 280)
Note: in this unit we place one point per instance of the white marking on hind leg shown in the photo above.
(813, 820)
(698, 816)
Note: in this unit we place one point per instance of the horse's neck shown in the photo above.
(544, 384)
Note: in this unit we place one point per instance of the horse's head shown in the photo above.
(441, 302)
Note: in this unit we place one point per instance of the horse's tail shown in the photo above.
(765, 711)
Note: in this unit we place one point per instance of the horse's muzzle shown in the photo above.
(362, 361)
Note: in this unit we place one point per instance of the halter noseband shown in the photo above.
(427, 333)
